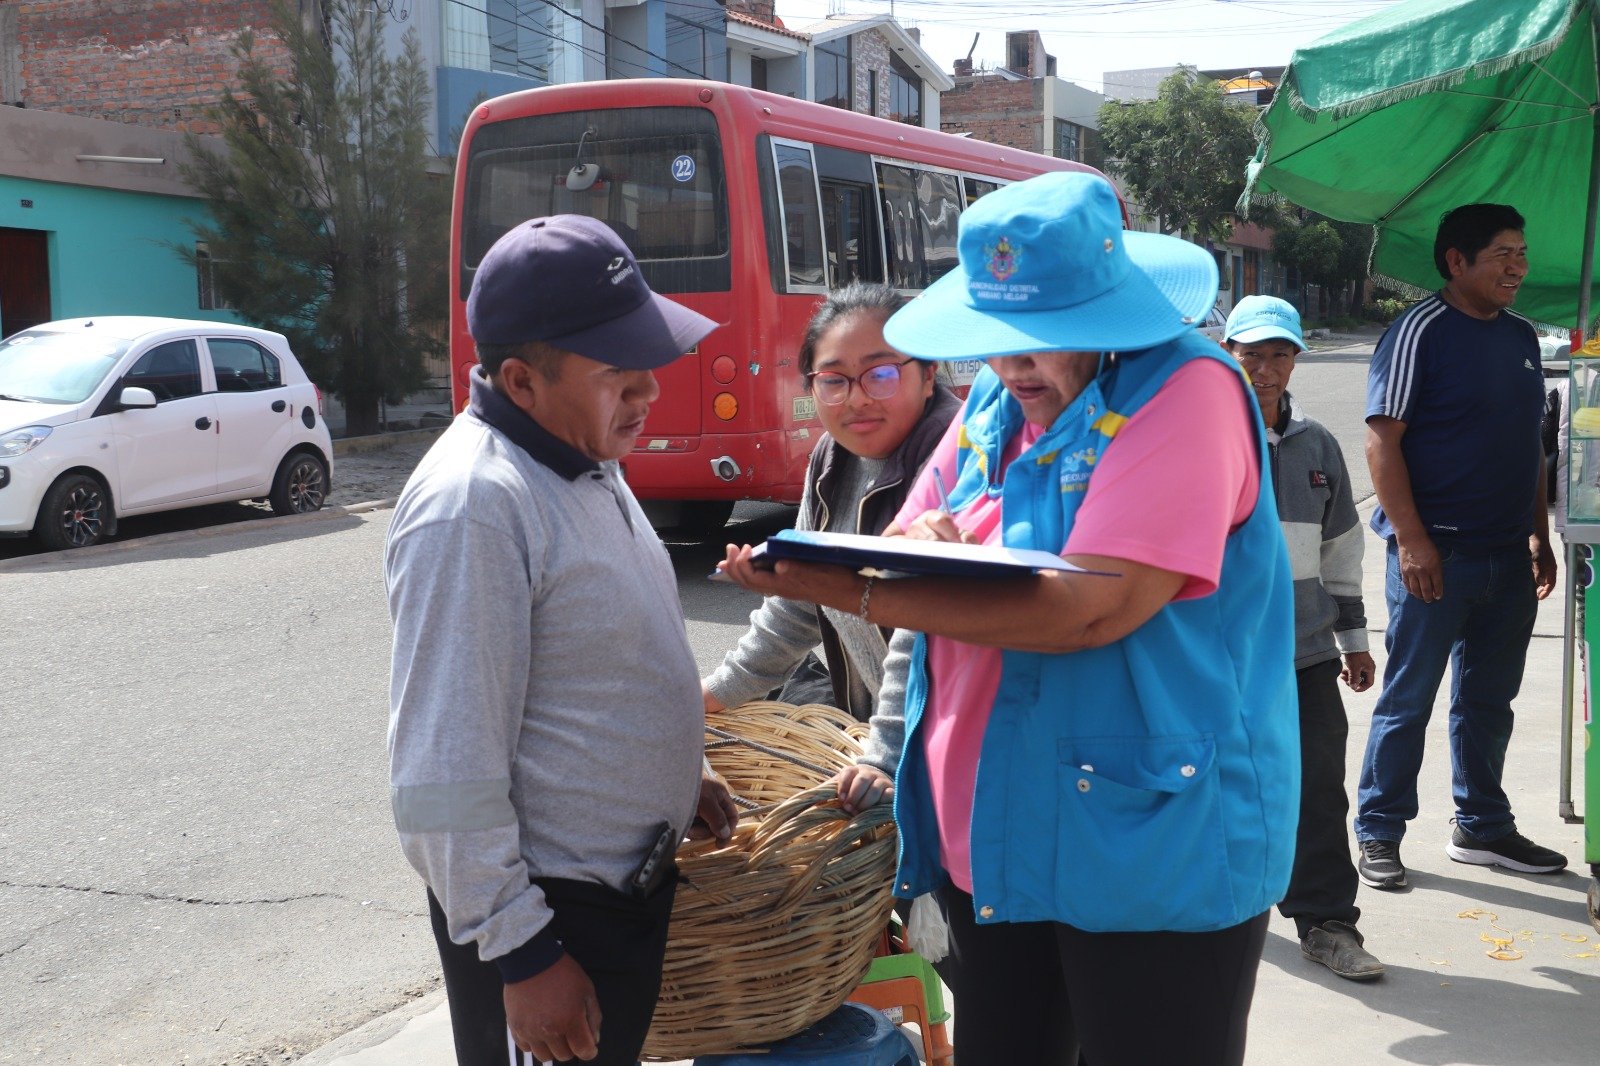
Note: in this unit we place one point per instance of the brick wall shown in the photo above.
(148, 62)
(995, 110)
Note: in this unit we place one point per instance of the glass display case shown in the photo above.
(1583, 445)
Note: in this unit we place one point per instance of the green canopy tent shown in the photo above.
(1399, 117)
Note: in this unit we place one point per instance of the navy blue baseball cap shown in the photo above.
(570, 281)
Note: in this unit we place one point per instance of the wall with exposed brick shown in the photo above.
(996, 110)
(153, 63)
(870, 52)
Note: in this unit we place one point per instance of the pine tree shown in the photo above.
(326, 224)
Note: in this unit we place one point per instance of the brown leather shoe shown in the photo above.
(1339, 947)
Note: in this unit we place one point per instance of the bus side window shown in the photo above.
(802, 217)
(977, 187)
(902, 235)
(938, 207)
(847, 230)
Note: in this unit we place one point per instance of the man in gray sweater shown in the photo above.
(546, 734)
(1325, 543)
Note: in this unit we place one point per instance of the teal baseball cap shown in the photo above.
(1263, 318)
(1045, 265)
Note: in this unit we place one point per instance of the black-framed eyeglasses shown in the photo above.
(879, 382)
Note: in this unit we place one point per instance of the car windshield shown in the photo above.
(49, 367)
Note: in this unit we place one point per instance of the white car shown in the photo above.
(1216, 322)
(1555, 351)
(106, 417)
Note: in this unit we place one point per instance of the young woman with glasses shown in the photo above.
(883, 414)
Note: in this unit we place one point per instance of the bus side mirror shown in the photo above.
(582, 176)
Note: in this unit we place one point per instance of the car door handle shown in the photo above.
(278, 406)
(202, 423)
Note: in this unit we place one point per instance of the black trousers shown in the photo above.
(1038, 992)
(1322, 887)
(619, 942)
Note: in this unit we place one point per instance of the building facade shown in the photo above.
(93, 215)
(1024, 105)
(868, 64)
(155, 63)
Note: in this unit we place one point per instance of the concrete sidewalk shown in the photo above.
(1443, 1001)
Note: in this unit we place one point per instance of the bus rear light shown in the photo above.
(725, 406)
(725, 468)
(723, 368)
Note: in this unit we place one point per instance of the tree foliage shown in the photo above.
(1329, 254)
(325, 223)
(1183, 154)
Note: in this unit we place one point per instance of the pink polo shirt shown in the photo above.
(1180, 475)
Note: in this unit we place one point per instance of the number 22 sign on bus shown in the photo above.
(747, 207)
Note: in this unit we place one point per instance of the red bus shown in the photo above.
(747, 207)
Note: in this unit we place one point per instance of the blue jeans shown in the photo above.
(1480, 628)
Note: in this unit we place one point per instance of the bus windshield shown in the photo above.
(657, 180)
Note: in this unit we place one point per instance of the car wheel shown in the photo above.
(301, 485)
(76, 513)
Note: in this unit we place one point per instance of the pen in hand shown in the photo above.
(944, 495)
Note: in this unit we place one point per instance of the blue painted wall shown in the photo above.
(108, 249)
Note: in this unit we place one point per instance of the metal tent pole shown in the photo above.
(1592, 208)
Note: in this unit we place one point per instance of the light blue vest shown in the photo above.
(1152, 784)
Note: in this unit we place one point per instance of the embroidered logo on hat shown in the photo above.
(1002, 259)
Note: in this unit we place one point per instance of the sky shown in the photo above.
(1090, 37)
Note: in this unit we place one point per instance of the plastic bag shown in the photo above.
(926, 931)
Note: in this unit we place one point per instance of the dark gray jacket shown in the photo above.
(1325, 540)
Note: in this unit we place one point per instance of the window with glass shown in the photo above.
(905, 92)
(49, 367)
(171, 371)
(920, 213)
(541, 40)
(802, 217)
(205, 270)
(688, 49)
(977, 187)
(243, 366)
(1078, 143)
(850, 232)
(833, 73)
(659, 184)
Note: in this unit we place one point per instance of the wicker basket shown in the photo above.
(772, 930)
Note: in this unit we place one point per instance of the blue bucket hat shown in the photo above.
(570, 281)
(1045, 265)
(1263, 318)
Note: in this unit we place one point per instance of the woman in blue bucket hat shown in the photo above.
(1100, 773)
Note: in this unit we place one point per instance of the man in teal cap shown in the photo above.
(1324, 536)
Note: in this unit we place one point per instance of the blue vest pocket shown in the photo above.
(1141, 847)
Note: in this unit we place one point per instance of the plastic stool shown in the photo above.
(853, 1035)
(902, 999)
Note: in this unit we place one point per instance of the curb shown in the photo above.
(377, 1031)
(247, 526)
(376, 442)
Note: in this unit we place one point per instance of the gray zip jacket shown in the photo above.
(545, 704)
(1325, 540)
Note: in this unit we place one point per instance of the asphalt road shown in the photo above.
(197, 863)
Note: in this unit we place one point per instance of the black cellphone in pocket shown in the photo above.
(652, 872)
